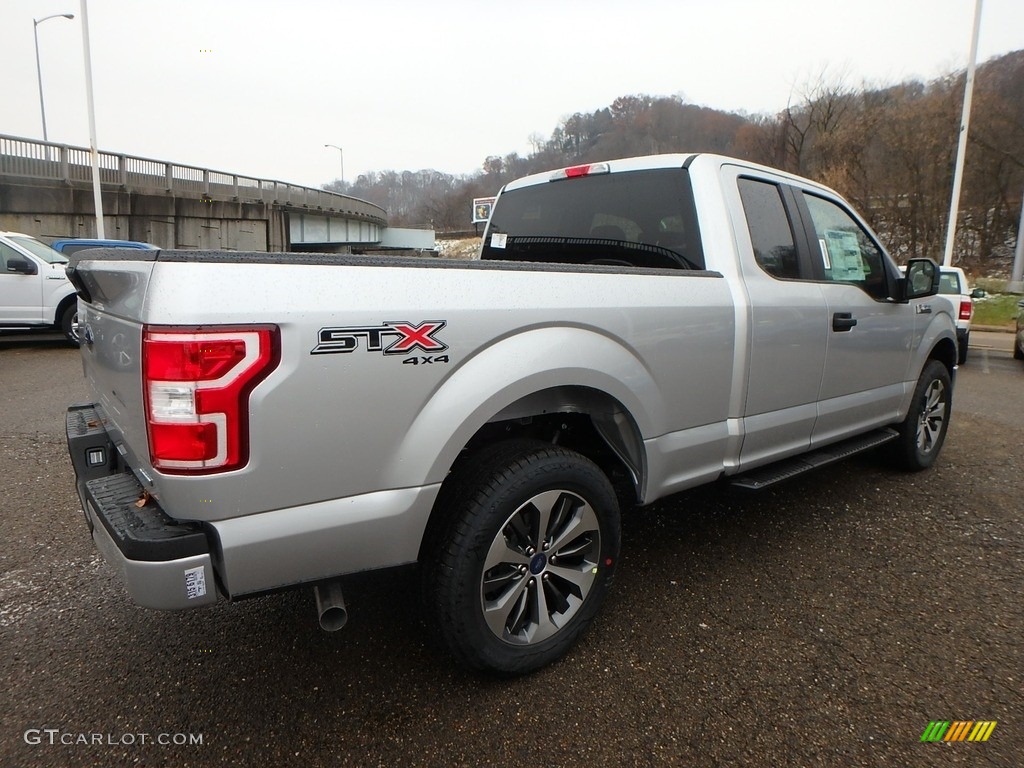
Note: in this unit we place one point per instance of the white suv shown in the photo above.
(34, 291)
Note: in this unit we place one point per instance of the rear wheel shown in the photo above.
(525, 558)
(924, 430)
(69, 324)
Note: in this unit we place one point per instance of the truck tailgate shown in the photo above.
(111, 300)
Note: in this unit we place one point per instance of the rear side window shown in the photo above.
(770, 231)
(636, 218)
(949, 282)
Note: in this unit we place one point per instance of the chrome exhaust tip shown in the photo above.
(330, 606)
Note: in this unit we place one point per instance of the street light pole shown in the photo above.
(39, 68)
(961, 149)
(94, 153)
(341, 152)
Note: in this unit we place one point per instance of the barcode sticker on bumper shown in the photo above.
(195, 582)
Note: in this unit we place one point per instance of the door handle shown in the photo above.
(843, 321)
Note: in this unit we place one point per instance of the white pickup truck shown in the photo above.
(34, 291)
(265, 421)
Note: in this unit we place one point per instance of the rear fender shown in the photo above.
(502, 380)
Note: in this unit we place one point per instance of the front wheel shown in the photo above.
(924, 430)
(525, 558)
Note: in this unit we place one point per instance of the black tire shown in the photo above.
(497, 602)
(961, 356)
(1018, 353)
(69, 324)
(923, 432)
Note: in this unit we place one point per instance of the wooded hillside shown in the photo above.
(890, 150)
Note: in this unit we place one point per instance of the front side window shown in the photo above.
(847, 252)
(6, 252)
(770, 232)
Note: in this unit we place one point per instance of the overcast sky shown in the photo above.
(258, 87)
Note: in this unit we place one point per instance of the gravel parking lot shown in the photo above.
(824, 622)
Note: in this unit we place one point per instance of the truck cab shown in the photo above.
(34, 291)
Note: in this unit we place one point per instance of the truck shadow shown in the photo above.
(10, 340)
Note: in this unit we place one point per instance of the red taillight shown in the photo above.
(966, 308)
(196, 385)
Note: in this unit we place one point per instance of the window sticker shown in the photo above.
(823, 244)
(498, 240)
(847, 263)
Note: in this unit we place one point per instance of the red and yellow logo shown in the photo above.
(958, 730)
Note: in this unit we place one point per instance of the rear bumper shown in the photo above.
(164, 563)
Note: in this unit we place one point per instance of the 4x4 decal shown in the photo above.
(390, 338)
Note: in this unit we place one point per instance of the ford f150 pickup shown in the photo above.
(630, 329)
(34, 290)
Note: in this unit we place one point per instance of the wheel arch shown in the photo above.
(945, 351)
(532, 375)
(589, 421)
(71, 298)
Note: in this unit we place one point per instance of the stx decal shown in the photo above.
(391, 338)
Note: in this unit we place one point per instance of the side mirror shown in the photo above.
(21, 266)
(979, 293)
(922, 279)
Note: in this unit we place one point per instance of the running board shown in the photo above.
(783, 470)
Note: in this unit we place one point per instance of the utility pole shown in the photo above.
(94, 152)
(39, 67)
(1017, 274)
(961, 150)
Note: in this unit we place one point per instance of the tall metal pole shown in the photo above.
(39, 67)
(961, 150)
(39, 73)
(94, 153)
(1017, 273)
(341, 152)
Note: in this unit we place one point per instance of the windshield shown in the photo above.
(44, 252)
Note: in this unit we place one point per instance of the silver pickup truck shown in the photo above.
(630, 329)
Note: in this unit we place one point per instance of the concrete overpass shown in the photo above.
(46, 191)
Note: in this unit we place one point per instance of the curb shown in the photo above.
(994, 328)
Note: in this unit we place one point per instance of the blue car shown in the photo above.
(72, 245)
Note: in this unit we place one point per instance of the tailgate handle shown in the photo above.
(843, 321)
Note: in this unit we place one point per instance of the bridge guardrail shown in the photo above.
(33, 159)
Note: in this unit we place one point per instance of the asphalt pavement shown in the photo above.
(824, 622)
